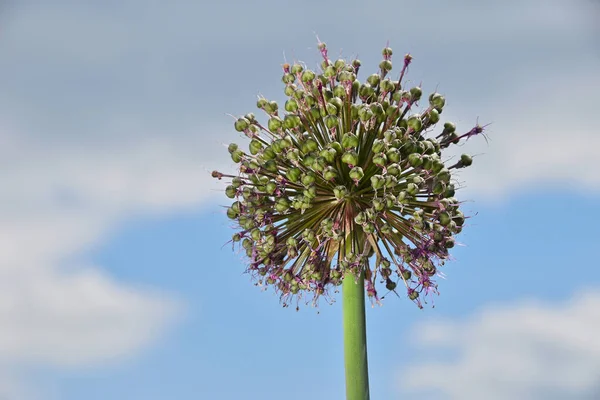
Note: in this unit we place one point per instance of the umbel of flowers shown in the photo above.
(344, 173)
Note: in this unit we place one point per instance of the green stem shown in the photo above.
(355, 338)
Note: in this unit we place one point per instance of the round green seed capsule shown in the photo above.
(466, 160)
(232, 147)
(434, 116)
(308, 76)
(437, 100)
(415, 93)
(414, 122)
(444, 218)
(230, 192)
(241, 124)
(373, 79)
(330, 174)
(293, 174)
(377, 182)
(356, 174)
(380, 160)
(393, 155)
(309, 178)
(349, 140)
(415, 160)
(291, 105)
(331, 121)
(275, 124)
(255, 146)
(340, 192)
(378, 146)
(350, 157)
(385, 65)
(390, 285)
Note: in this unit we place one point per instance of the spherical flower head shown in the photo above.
(346, 179)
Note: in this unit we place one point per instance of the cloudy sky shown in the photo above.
(114, 281)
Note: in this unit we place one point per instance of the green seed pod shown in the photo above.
(339, 91)
(385, 66)
(296, 69)
(414, 122)
(387, 85)
(275, 124)
(232, 147)
(329, 72)
(309, 160)
(308, 76)
(331, 121)
(328, 155)
(415, 94)
(390, 181)
(412, 189)
(439, 187)
(393, 169)
(444, 218)
(437, 100)
(449, 243)
(282, 205)
(230, 192)
(309, 178)
(330, 174)
(393, 155)
(237, 156)
(270, 187)
(368, 227)
(349, 141)
(378, 204)
(293, 174)
(291, 121)
(340, 192)
(449, 127)
(390, 285)
(377, 182)
(309, 146)
(289, 90)
(255, 146)
(331, 109)
(241, 124)
(291, 105)
(443, 175)
(373, 80)
(356, 174)
(415, 160)
(350, 157)
(271, 166)
(380, 160)
(378, 146)
(466, 160)
(231, 213)
(433, 116)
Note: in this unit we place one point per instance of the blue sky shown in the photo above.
(115, 281)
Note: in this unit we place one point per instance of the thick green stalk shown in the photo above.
(355, 338)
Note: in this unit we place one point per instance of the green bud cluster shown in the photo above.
(342, 172)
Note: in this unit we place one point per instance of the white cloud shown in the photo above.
(528, 350)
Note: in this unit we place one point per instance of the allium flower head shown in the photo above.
(347, 171)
